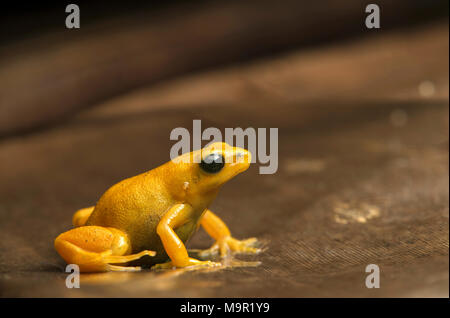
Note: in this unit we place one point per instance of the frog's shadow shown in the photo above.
(162, 277)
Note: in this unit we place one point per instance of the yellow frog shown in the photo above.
(155, 213)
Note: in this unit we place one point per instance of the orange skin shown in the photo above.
(154, 214)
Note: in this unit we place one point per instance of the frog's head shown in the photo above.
(205, 170)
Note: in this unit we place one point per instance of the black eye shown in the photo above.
(212, 163)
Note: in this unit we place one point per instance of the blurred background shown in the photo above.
(362, 116)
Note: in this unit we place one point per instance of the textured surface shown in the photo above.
(363, 175)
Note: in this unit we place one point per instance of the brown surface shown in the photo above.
(363, 175)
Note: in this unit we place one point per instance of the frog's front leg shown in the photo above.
(218, 230)
(176, 216)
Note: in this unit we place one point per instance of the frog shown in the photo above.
(146, 220)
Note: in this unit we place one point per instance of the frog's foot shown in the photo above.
(191, 262)
(228, 243)
(117, 259)
(97, 249)
(81, 216)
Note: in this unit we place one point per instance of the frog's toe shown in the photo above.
(191, 262)
(116, 268)
(213, 250)
(245, 246)
(250, 242)
(220, 247)
(196, 263)
(247, 250)
(229, 244)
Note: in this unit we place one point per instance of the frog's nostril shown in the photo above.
(241, 157)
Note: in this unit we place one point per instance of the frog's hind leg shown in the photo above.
(97, 249)
(81, 216)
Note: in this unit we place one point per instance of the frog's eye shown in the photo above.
(212, 163)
